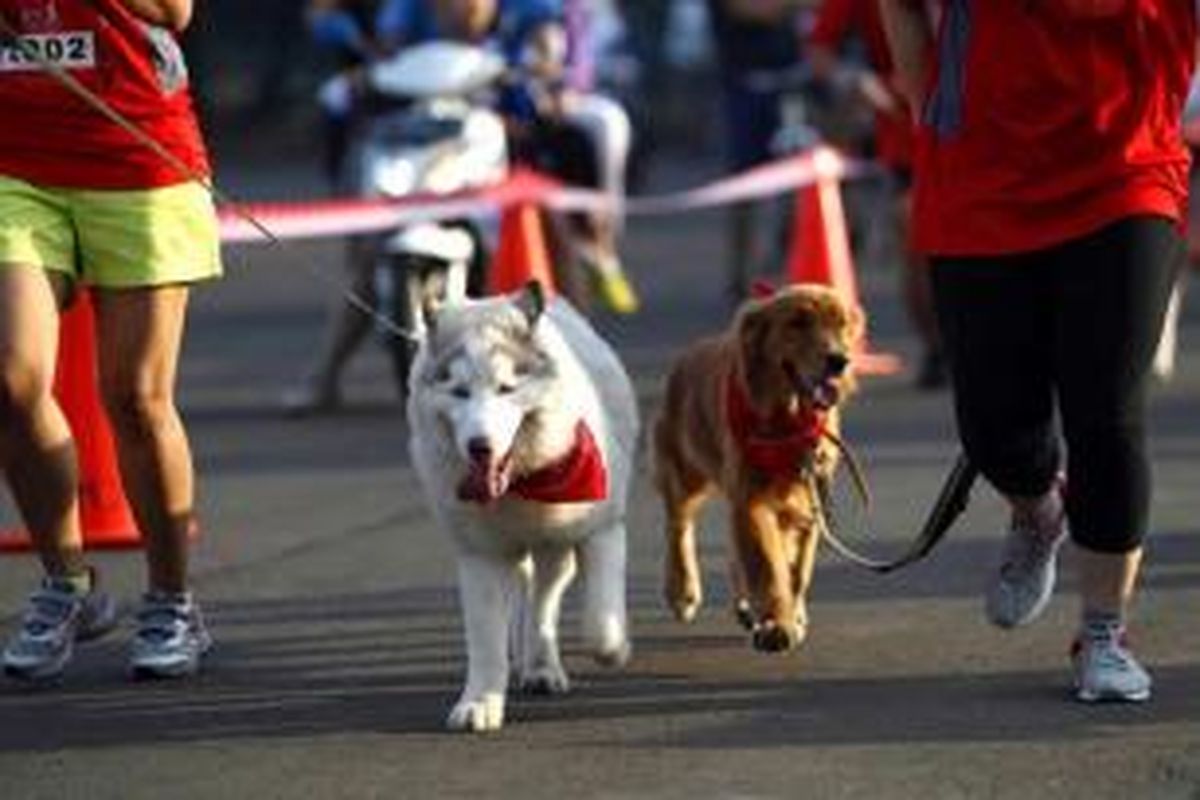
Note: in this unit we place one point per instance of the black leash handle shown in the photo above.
(950, 503)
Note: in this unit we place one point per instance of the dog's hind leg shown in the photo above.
(605, 624)
(683, 491)
(682, 585)
(540, 665)
(487, 590)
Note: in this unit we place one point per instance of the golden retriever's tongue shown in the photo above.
(485, 482)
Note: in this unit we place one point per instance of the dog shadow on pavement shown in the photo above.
(390, 663)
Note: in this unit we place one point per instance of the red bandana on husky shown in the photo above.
(777, 444)
(578, 477)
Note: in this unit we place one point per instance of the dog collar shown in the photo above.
(773, 444)
(578, 477)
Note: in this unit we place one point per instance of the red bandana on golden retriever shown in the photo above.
(746, 413)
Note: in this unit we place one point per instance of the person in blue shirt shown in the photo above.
(342, 29)
(580, 136)
(402, 22)
(507, 24)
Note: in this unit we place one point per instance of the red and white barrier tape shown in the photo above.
(358, 216)
(776, 177)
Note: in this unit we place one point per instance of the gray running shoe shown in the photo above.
(1021, 589)
(171, 637)
(1105, 669)
(56, 618)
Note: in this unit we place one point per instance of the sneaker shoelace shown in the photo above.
(1108, 650)
(1112, 657)
(1036, 535)
(48, 609)
(1029, 547)
(161, 622)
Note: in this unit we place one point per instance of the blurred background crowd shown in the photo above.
(258, 65)
(709, 87)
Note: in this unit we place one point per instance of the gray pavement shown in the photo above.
(339, 649)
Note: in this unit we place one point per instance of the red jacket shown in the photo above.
(49, 136)
(840, 19)
(1048, 119)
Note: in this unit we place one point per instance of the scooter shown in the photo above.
(429, 128)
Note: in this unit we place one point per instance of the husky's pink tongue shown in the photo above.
(485, 482)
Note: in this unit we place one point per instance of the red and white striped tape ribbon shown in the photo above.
(342, 217)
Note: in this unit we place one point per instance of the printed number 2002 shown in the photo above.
(74, 50)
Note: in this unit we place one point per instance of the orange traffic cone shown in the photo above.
(522, 254)
(820, 249)
(104, 512)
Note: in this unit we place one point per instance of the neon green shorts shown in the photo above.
(113, 239)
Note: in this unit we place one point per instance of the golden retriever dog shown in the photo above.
(752, 413)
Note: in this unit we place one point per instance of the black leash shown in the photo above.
(950, 503)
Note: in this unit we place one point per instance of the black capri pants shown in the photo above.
(1070, 329)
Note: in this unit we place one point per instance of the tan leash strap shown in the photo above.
(98, 105)
(856, 471)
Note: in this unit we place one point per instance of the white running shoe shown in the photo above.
(1024, 584)
(1105, 669)
(57, 617)
(171, 638)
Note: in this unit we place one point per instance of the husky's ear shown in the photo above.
(531, 302)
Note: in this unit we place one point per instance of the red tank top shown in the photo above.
(49, 136)
(1048, 119)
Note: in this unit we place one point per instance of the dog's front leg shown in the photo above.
(541, 669)
(521, 625)
(605, 624)
(808, 537)
(761, 549)
(486, 588)
(743, 610)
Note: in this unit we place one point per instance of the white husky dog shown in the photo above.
(523, 427)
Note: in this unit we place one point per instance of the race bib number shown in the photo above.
(68, 50)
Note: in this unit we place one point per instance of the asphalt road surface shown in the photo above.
(331, 596)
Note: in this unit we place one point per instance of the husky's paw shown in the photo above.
(615, 654)
(479, 714)
(607, 639)
(771, 637)
(545, 680)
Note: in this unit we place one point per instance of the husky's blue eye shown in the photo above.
(461, 392)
